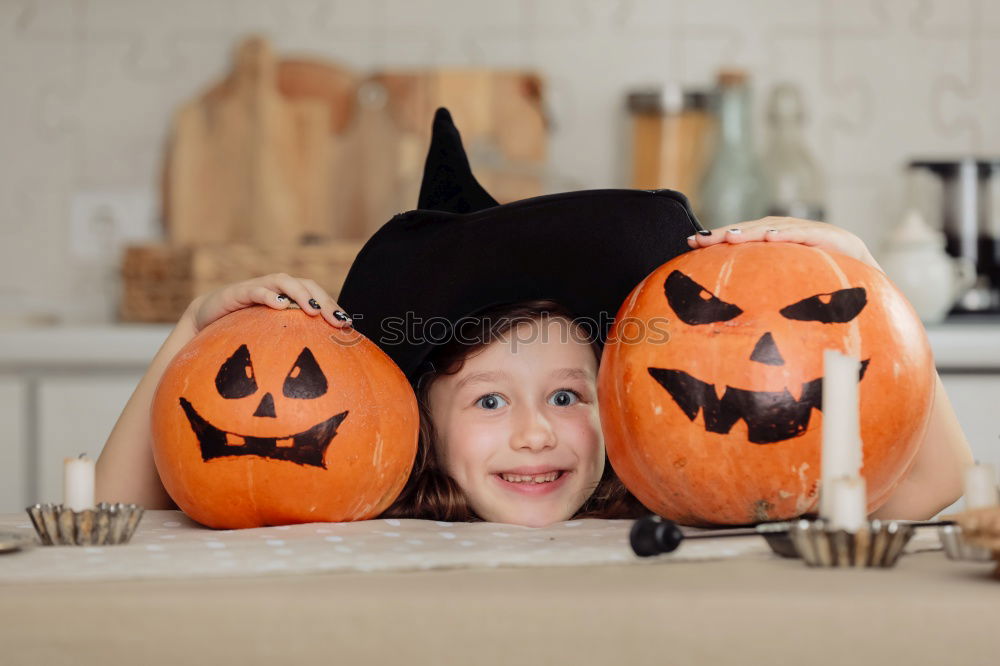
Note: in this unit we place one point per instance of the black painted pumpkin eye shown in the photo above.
(836, 307)
(235, 378)
(694, 304)
(305, 380)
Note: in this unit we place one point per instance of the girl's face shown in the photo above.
(518, 427)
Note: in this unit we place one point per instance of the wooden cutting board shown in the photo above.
(247, 162)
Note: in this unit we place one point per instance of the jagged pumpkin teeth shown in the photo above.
(234, 440)
(287, 441)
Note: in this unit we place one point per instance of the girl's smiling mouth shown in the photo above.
(532, 481)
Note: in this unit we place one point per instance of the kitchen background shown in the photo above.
(89, 88)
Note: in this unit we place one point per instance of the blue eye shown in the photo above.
(564, 398)
(491, 401)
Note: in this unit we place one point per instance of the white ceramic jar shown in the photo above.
(931, 279)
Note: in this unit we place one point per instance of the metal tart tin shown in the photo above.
(108, 524)
(878, 544)
(956, 548)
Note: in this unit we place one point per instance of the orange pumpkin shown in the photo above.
(271, 417)
(710, 384)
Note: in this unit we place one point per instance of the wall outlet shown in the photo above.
(102, 222)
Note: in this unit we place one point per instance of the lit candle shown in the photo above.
(849, 505)
(841, 449)
(980, 486)
(78, 483)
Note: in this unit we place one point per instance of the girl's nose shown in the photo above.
(534, 434)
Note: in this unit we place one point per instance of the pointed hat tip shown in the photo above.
(448, 184)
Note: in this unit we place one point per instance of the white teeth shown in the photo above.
(536, 478)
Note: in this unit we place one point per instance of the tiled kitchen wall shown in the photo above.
(87, 88)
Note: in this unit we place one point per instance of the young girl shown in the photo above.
(510, 430)
(509, 422)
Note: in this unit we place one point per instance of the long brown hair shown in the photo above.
(430, 493)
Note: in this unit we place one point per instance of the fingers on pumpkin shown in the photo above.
(323, 303)
(295, 289)
(793, 235)
(320, 299)
(737, 235)
(701, 239)
(269, 297)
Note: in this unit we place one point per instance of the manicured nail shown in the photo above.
(313, 303)
(341, 315)
(281, 298)
(690, 238)
(735, 230)
(705, 232)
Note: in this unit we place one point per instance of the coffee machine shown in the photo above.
(969, 208)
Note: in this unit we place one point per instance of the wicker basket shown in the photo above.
(160, 281)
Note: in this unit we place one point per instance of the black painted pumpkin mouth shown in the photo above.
(771, 416)
(307, 447)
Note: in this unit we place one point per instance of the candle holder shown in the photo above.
(879, 543)
(980, 529)
(107, 525)
(957, 548)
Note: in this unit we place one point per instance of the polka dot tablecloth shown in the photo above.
(167, 544)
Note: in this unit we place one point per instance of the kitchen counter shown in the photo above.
(966, 344)
(59, 347)
(971, 344)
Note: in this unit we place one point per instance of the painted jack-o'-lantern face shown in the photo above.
(711, 404)
(236, 381)
(272, 417)
(770, 416)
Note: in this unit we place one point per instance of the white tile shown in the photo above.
(454, 17)
(89, 87)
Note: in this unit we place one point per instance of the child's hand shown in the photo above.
(276, 290)
(792, 230)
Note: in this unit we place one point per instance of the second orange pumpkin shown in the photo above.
(711, 382)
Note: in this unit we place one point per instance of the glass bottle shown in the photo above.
(734, 188)
(795, 184)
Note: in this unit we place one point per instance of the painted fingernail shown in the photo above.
(735, 230)
(313, 303)
(705, 232)
(341, 315)
(281, 298)
(690, 238)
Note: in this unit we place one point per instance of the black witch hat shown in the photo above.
(461, 252)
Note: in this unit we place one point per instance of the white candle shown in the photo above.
(849, 503)
(980, 486)
(841, 449)
(78, 483)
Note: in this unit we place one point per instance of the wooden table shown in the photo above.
(926, 610)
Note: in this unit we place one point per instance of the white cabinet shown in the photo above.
(75, 415)
(976, 400)
(46, 417)
(61, 392)
(14, 419)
